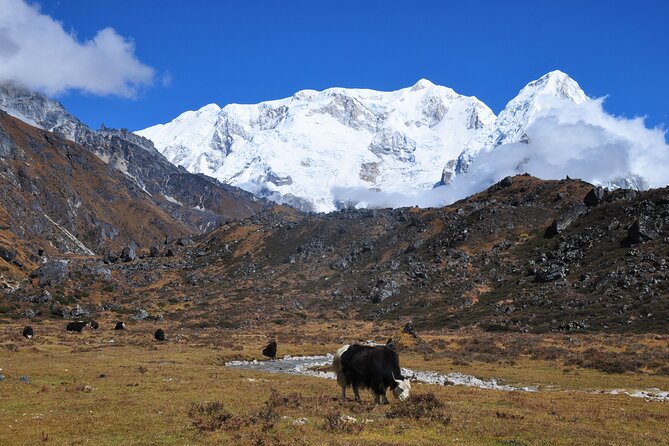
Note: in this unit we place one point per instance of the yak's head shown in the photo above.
(403, 389)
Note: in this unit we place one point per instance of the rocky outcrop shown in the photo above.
(642, 231)
(565, 219)
(51, 273)
(596, 196)
(129, 252)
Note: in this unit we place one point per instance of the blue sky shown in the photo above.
(250, 51)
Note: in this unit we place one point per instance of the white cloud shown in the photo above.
(36, 51)
(578, 140)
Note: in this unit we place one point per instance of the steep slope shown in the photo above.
(524, 255)
(195, 200)
(519, 113)
(58, 198)
(306, 149)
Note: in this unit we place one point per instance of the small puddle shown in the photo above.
(313, 365)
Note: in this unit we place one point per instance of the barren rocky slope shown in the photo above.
(525, 255)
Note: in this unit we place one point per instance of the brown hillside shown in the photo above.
(59, 197)
(489, 261)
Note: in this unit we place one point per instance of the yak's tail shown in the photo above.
(337, 367)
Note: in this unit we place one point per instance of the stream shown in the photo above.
(311, 365)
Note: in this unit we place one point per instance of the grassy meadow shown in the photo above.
(110, 387)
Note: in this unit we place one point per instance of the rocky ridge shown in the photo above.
(195, 200)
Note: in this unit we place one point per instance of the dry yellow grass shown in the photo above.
(84, 389)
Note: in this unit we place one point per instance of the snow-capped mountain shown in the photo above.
(519, 113)
(300, 150)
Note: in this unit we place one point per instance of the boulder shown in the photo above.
(154, 251)
(78, 311)
(566, 219)
(7, 254)
(51, 273)
(185, 241)
(100, 271)
(41, 298)
(340, 265)
(641, 231)
(111, 258)
(596, 196)
(140, 315)
(506, 182)
(551, 273)
(129, 252)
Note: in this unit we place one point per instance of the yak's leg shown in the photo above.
(383, 398)
(341, 380)
(357, 394)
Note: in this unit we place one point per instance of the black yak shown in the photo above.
(159, 335)
(28, 332)
(270, 350)
(94, 325)
(119, 326)
(76, 326)
(370, 367)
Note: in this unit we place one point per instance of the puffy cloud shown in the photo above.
(36, 51)
(578, 140)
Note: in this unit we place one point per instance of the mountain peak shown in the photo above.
(36, 109)
(210, 108)
(519, 113)
(555, 83)
(421, 84)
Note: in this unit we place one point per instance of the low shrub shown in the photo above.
(424, 406)
(336, 422)
(209, 416)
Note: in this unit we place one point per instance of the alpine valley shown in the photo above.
(108, 209)
(550, 294)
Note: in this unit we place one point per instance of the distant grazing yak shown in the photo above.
(370, 367)
(28, 332)
(94, 325)
(159, 335)
(119, 326)
(270, 350)
(76, 326)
